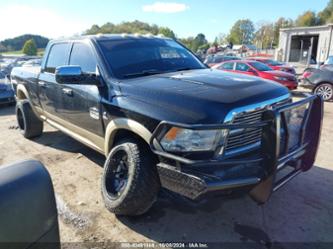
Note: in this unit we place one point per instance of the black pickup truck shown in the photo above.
(162, 118)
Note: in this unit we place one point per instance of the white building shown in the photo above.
(305, 44)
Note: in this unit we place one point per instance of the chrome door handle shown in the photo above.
(67, 91)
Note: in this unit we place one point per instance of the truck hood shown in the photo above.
(199, 96)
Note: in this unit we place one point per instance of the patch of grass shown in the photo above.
(18, 52)
(40, 52)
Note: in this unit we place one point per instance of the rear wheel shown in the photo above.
(130, 183)
(325, 91)
(29, 124)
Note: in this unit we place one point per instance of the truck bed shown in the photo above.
(25, 72)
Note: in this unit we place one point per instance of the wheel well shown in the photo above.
(20, 95)
(121, 134)
(324, 82)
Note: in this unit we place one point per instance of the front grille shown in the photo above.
(243, 139)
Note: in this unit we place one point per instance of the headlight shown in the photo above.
(281, 78)
(186, 140)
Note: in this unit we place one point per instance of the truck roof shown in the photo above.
(113, 37)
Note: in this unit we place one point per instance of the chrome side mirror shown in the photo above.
(74, 75)
(68, 74)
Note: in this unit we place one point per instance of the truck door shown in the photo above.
(81, 103)
(49, 90)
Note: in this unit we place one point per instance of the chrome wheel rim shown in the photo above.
(325, 91)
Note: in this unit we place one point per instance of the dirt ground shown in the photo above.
(302, 211)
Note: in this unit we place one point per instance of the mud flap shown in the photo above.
(263, 191)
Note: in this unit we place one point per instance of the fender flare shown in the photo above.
(127, 124)
(21, 88)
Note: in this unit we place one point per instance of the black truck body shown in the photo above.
(178, 107)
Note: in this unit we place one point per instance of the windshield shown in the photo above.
(220, 58)
(129, 58)
(260, 66)
(274, 63)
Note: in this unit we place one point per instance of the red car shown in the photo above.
(255, 68)
(276, 65)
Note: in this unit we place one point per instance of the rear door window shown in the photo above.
(58, 56)
(83, 56)
(227, 66)
(242, 67)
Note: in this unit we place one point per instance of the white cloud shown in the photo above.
(21, 19)
(165, 7)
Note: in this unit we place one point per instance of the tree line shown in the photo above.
(244, 31)
(18, 42)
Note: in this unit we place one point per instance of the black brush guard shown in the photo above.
(193, 178)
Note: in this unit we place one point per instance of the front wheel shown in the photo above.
(130, 183)
(325, 91)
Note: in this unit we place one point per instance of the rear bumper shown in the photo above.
(305, 83)
(259, 174)
(292, 85)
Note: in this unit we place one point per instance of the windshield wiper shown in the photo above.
(142, 73)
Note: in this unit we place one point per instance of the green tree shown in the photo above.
(264, 36)
(166, 32)
(308, 18)
(242, 32)
(187, 42)
(95, 29)
(17, 43)
(205, 46)
(29, 47)
(280, 24)
(326, 15)
(221, 39)
(198, 41)
(124, 27)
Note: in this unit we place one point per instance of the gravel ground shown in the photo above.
(300, 212)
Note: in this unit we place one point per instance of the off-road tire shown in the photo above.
(29, 124)
(143, 183)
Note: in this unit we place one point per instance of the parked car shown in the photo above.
(214, 59)
(255, 68)
(10, 63)
(320, 82)
(32, 63)
(7, 95)
(163, 119)
(328, 64)
(275, 65)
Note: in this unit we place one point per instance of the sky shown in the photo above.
(60, 18)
